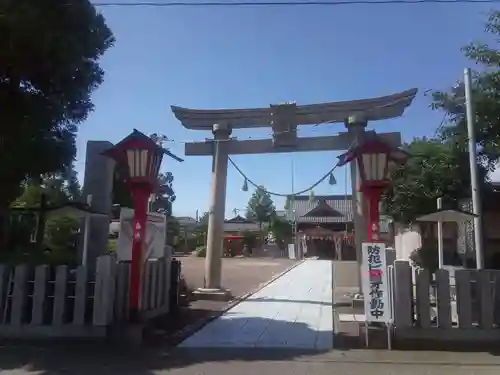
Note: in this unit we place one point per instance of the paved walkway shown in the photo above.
(294, 311)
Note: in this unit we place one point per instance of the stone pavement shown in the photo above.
(96, 360)
(294, 311)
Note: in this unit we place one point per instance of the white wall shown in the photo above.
(406, 240)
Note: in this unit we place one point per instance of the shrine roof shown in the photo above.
(373, 109)
(240, 220)
(323, 209)
(302, 205)
(342, 204)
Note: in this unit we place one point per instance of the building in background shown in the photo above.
(325, 226)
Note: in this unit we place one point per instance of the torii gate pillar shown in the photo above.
(356, 127)
(213, 262)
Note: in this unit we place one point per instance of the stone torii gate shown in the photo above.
(283, 119)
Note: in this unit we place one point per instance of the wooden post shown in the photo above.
(464, 298)
(403, 296)
(160, 291)
(104, 291)
(60, 288)
(422, 280)
(122, 291)
(19, 296)
(146, 286)
(4, 273)
(443, 299)
(486, 299)
(153, 290)
(167, 264)
(80, 306)
(39, 295)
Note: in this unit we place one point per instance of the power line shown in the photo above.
(162, 4)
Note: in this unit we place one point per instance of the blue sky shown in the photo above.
(253, 57)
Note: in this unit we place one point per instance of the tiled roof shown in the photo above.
(302, 205)
(239, 219)
(340, 203)
(323, 209)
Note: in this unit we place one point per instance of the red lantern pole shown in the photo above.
(373, 195)
(140, 194)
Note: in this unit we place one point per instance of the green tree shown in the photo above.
(49, 68)
(164, 196)
(486, 100)
(440, 167)
(426, 257)
(203, 222)
(436, 169)
(260, 206)
(58, 233)
(57, 188)
(281, 229)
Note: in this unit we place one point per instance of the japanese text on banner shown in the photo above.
(376, 271)
(375, 283)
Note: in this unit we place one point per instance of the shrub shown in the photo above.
(112, 245)
(425, 257)
(201, 252)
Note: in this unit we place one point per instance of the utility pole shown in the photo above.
(474, 180)
(440, 235)
(294, 217)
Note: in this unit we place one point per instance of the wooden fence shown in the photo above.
(460, 307)
(48, 301)
(155, 289)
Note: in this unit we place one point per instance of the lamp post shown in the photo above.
(374, 158)
(141, 158)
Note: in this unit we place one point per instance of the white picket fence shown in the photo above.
(48, 301)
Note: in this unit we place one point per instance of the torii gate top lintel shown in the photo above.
(373, 109)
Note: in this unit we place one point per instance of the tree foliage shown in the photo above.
(281, 230)
(57, 188)
(203, 222)
(485, 99)
(260, 206)
(49, 67)
(164, 196)
(440, 166)
(425, 257)
(59, 235)
(436, 169)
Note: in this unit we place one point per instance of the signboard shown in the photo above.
(375, 283)
(154, 243)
